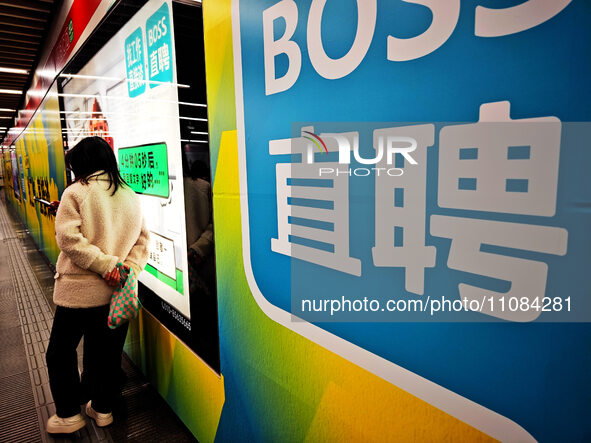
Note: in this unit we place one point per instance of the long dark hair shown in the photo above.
(90, 157)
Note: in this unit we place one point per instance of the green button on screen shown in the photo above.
(145, 169)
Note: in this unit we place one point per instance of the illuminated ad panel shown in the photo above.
(42, 172)
(415, 201)
(7, 165)
(6, 170)
(14, 170)
(127, 94)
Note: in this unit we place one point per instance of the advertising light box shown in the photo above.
(475, 226)
(127, 93)
(42, 173)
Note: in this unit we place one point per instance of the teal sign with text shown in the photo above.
(160, 62)
(134, 63)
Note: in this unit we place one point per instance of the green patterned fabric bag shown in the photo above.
(125, 303)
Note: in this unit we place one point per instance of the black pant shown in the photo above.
(102, 358)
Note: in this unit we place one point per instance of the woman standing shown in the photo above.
(98, 224)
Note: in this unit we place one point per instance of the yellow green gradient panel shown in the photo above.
(175, 284)
(191, 388)
(219, 70)
(298, 389)
(43, 167)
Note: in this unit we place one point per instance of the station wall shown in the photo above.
(39, 171)
(475, 379)
(291, 379)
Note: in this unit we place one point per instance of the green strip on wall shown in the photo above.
(176, 284)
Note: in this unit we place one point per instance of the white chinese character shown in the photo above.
(507, 166)
(400, 209)
(499, 164)
(527, 277)
(130, 76)
(163, 58)
(138, 75)
(313, 212)
(133, 77)
(496, 22)
(137, 49)
(153, 64)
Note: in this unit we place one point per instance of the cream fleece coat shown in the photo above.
(94, 231)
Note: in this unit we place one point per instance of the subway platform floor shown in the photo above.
(26, 315)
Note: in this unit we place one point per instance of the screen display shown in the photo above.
(127, 94)
(145, 169)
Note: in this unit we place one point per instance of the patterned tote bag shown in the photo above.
(125, 303)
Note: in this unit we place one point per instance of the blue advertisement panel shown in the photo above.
(160, 54)
(414, 187)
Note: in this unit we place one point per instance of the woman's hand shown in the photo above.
(112, 278)
(53, 207)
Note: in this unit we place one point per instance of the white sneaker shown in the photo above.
(68, 425)
(100, 418)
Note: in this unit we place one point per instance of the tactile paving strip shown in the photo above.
(26, 317)
(19, 420)
(28, 343)
(35, 319)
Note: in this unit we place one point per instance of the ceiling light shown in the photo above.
(70, 119)
(122, 97)
(46, 73)
(118, 79)
(13, 70)
(194, 118)
(7, 110)
(36, 93)
(10, 91)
